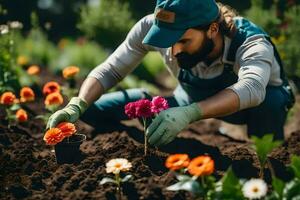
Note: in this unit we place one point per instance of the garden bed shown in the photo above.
(28, 168)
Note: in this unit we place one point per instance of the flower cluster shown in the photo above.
(59, 133)
(12, 104)
(146, 108)
(53, 96)
(199, 166)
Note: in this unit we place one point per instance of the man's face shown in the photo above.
(193, 47)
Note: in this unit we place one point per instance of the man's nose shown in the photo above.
(176, 49)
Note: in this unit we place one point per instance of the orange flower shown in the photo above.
(21, 115)
(177, 161)
(51, 87)
(33, 70)
(53, 136)
(70, 72)
(54, 99)
(26, 94)
(66, 128)
(7, 98)
(201, 165)
(22, 60)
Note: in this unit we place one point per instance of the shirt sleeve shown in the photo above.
(125, 58)
(255, 59)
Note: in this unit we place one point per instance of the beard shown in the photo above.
(188, 61)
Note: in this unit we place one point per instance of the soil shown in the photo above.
(28, 168)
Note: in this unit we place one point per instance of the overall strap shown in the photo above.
(246, 29)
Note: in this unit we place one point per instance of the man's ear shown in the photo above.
(213, 30)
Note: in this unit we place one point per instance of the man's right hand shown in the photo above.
(70, 113)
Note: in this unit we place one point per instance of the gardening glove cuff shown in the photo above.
(79, 103)
(75, 108)
(193, 112)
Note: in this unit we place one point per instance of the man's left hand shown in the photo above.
(170, 122)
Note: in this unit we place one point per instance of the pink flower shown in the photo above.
(130, 110)
(159, 104)
(143, 108)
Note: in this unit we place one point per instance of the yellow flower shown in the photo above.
(117, 165)
(278, 40)
(22, 60)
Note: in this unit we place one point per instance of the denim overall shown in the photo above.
(268, 117)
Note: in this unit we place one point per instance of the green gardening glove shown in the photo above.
(70, 113)
(170, 122)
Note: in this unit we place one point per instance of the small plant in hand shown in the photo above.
(146, 109)
(116, 166)
(70, 73)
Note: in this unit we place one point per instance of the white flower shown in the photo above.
(116, 165)
(255, 189)
(4, 29)
(16, 25)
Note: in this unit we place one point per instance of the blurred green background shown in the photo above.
(59, 33)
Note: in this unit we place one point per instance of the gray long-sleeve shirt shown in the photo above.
(255, 64)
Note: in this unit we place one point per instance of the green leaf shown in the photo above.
(229, 187)
(126, 178)
(15, 107)
(278, 186)
(263, 146)
(189, 185)
(295, 165)
(292, 190)
(107, 180)
(183, 177)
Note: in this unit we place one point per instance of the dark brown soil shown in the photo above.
(28, 168)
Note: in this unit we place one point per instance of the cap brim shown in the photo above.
(162, 37)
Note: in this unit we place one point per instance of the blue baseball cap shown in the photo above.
(174, 17)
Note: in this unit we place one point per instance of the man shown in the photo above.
(227, 68)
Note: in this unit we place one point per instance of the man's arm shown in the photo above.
(124, 59)
(90, 90)
(223, 103)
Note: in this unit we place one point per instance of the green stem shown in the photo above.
(8, 117)
(271, 167)
(145, 137)
(118, 182)
(261, 171)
